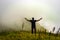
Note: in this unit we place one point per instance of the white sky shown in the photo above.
(13, 11)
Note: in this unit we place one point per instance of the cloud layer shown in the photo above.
(14, 11)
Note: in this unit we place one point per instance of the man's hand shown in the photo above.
(25, 18)
(41, 18)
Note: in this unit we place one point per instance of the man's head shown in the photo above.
(32, 18)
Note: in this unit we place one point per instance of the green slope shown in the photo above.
(26, 35)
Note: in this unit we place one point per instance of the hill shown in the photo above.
(26, 35)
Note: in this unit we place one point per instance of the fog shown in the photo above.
(13, 12)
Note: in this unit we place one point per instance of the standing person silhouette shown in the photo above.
(33, 24)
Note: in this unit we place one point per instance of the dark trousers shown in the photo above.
(33, 30)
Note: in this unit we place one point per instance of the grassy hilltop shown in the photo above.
(26, 35)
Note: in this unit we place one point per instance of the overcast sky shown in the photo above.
(13, 11)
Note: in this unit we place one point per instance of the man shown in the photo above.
(33, 24)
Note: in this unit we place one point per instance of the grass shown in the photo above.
(26, 35)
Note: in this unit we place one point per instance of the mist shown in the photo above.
(13, 12)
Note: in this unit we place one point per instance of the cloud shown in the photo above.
(13, 11)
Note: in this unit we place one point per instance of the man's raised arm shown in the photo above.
(38, 19)
(27, 19)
